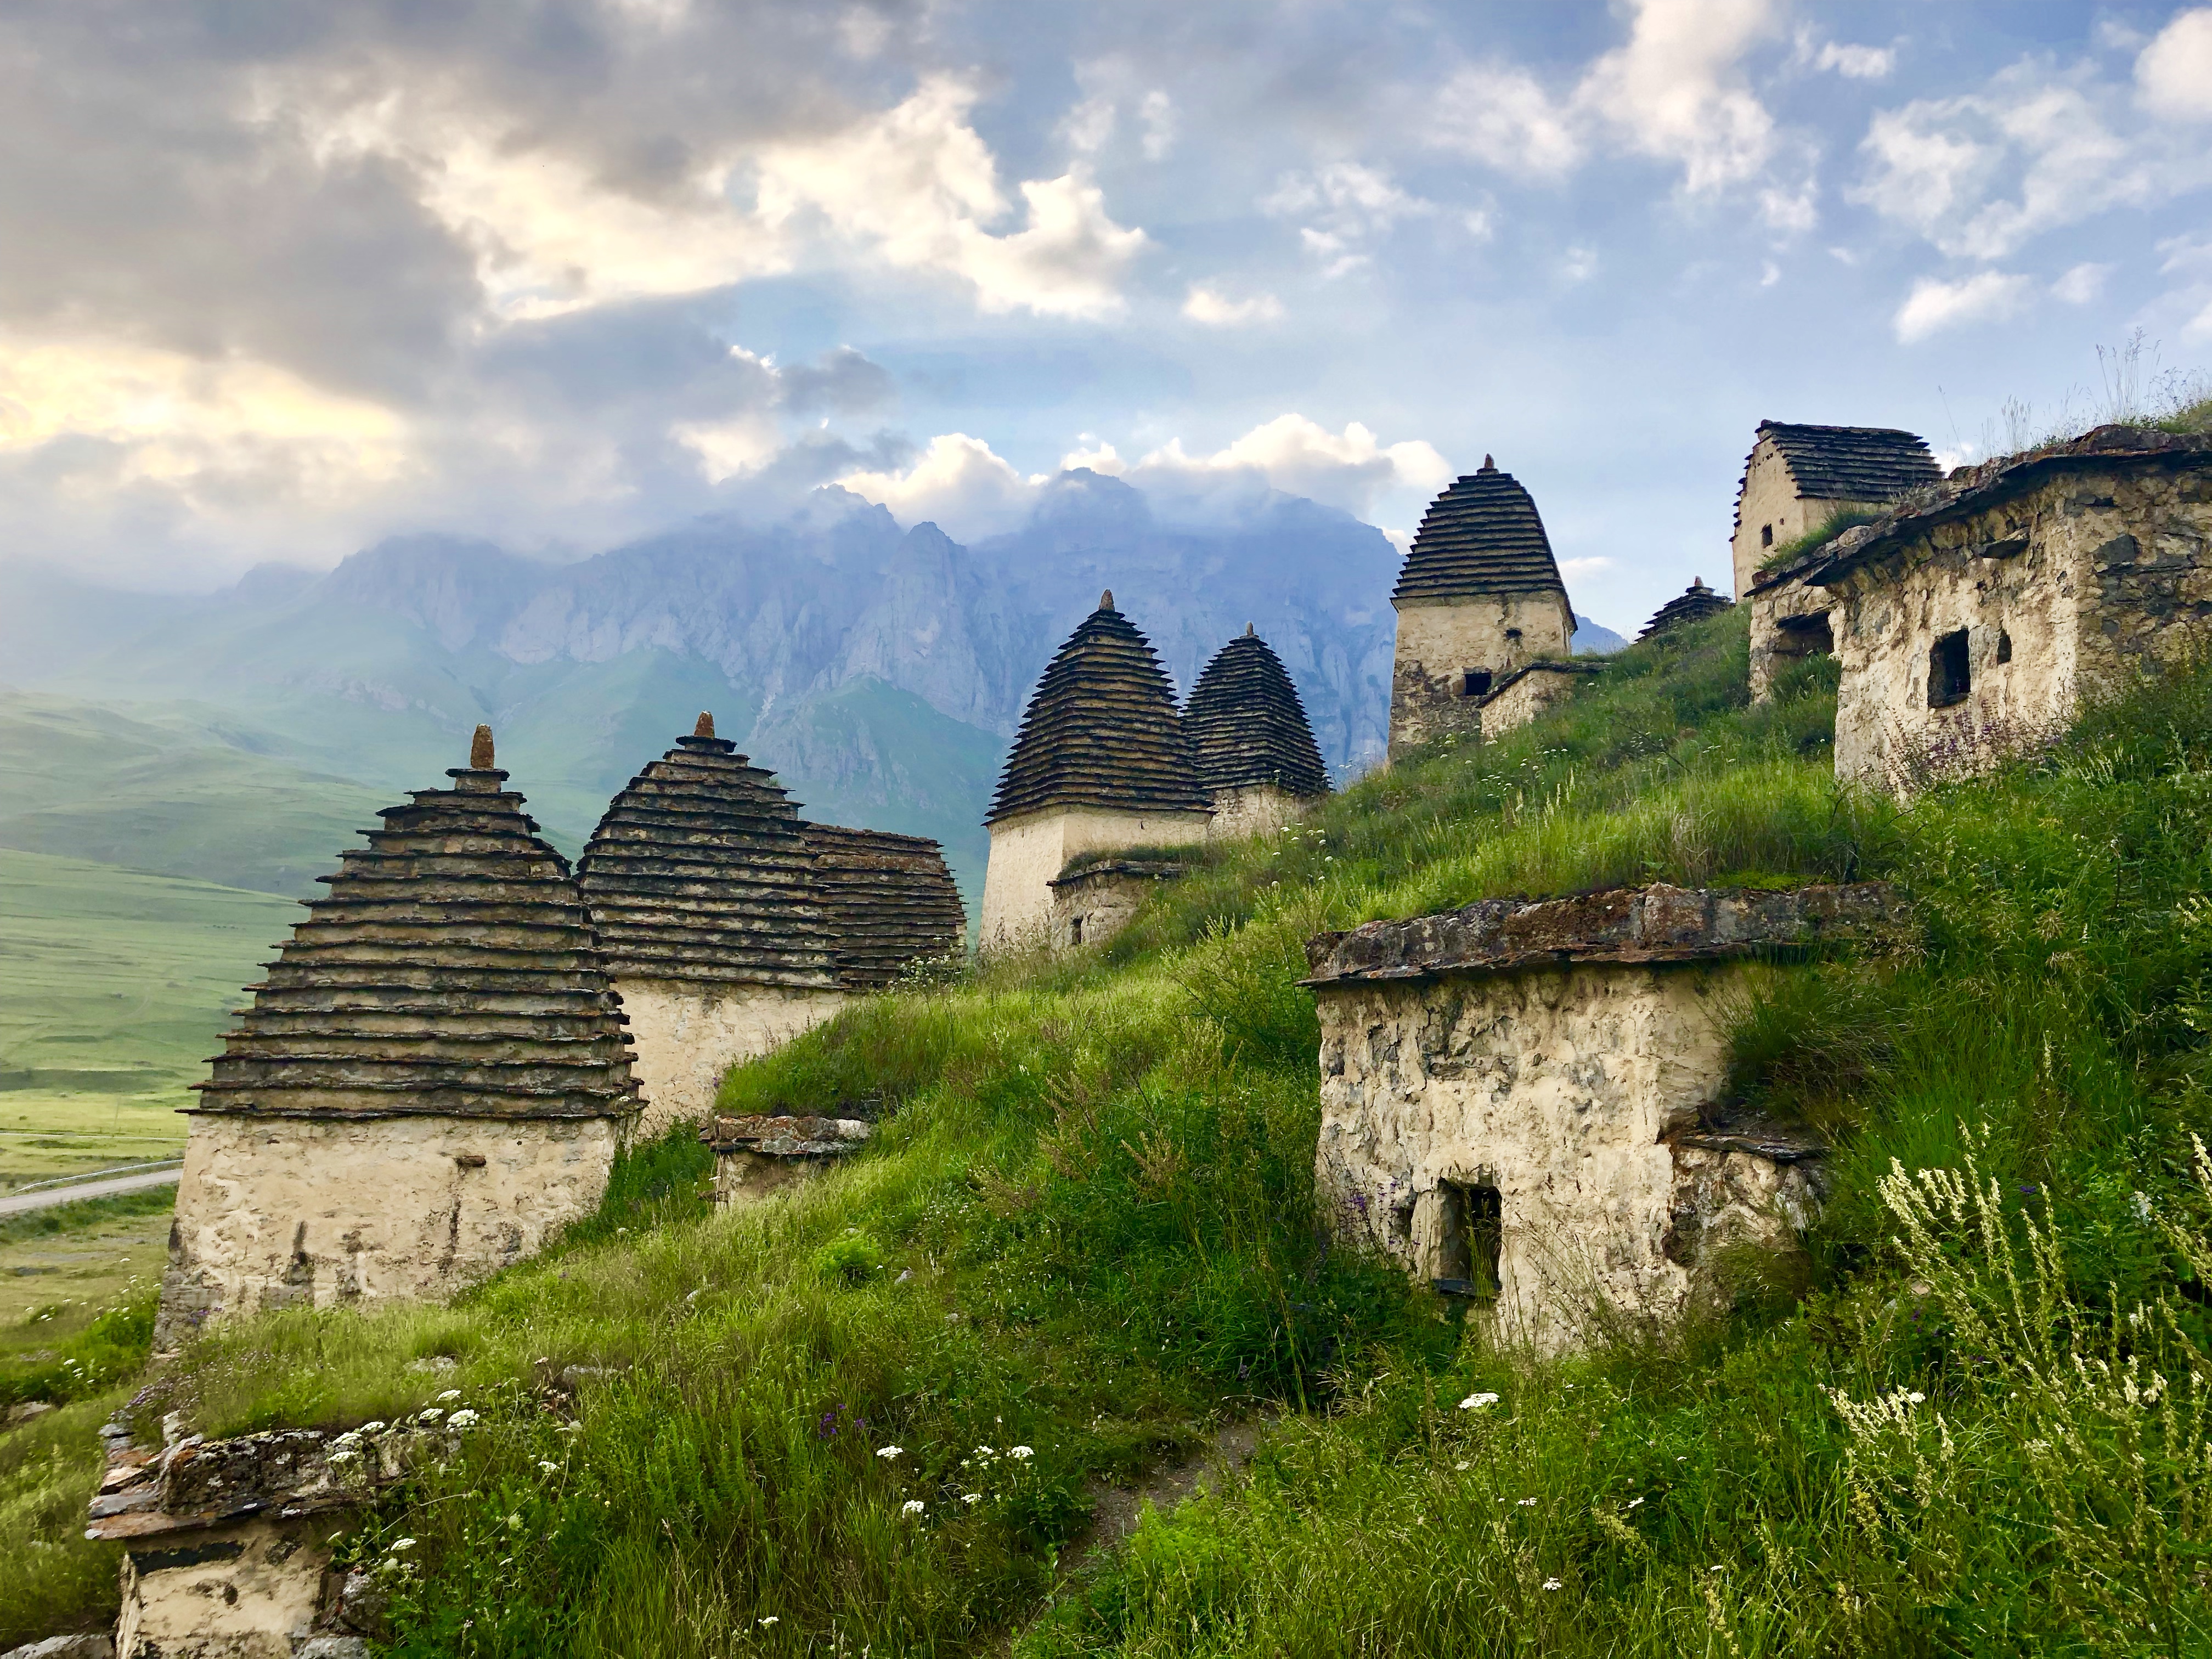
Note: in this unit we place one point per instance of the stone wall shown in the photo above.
(1789, 622)
(1257, 810)
(1441, 643)
(1553, 1072)
(687, 1033)
(758, 1157)
(276, 1212)
(2043, 594)
(1092, 905)
(1029, 851)
(1527, 692)
(1769, 501)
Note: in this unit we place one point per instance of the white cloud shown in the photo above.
(1579, 265)
(1348, 204)
(959, 483)
(915, 186)
(2173, 76)
(1208, 305)
(1676, 91)
(1933, 305)
(2081, 284)
(1155, 113)
(1501, 116)
(1586, 567)
(1857, 62)
(1348, 469)
(2192, 262)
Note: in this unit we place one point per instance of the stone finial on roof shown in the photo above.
(700, 871)
(1693, 604)
(480, 751)
(1248, 727)
(1101, 730)
(1482, 535)
(1106, 600)
(450, 970)
(705, 727)
(890, 898)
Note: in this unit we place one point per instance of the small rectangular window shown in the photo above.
(1475, 683)
(1075, 930)
(2004, 645)
(1767, 535)
(1470, 1239)
(1949, 678)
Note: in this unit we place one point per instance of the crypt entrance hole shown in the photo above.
(1470, 1238)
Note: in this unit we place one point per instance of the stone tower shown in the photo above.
(701, 884)
(1693, 604)
(1797, 477)
(1479, 597)
(433, 1079)
(1256, 754)
(1100, 762)
(891, 902)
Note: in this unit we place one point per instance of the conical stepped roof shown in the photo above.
(700, 871)
(450, 970)
(1693, 604)
(1246, 724)
(1101, 730)
(1482, 535)
(890, 900)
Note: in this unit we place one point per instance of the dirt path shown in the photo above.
(1115, 1509)
(112, 1188)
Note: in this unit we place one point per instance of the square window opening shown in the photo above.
(1471, 1236)
(1767, 535)
(1475, 683)
(1949, 678)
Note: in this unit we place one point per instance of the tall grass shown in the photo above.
(1085, 1227)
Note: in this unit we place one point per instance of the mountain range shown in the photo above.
(879, 671)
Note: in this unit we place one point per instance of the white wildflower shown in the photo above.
(1475, 1402)
(1021, 1454)
(771, 1619)
(1634, 1501)
(403, 1544)
(450, 1393)
(1527, 1503)
(912, 1506)
(1917, 1398)
(2141, 1201)
(971, 1497)
(463, 1419)
(1551, 1583)
(891, 1451)
(514, 1521)
(429, 1416)
(371, 1428)
(982, 1451)
(550, 1469)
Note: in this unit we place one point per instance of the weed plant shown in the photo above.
(1963, 1422)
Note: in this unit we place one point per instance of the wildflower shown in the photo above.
(450, 1393)
(403, 1544)
(1681, 1460)
(1552, 1584)
(1527, 1503)
(550, 1469)
(971, 1497)
(983, 1451)
(771, 1619)
(1021, 1454)
(890, 1451)
(1916, 1397)
(912, 1506)
(514, 1521)
(1475, 1402)
(2141, 1202)
(371, 1428)
(1461, 1464)
(1634, 1501)
(430, 1416)
(463, 1419)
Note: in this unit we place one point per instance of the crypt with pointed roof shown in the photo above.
(1479, 601)
(1101, 763)
(1255, 749)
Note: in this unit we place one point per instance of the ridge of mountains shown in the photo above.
(880, 672)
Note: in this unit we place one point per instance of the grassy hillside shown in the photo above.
(113, 988)
(1969, 1416)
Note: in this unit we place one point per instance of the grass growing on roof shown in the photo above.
(1085, 1230)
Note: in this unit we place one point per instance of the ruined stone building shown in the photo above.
(1484, 629)
(1255, 753)
(1101, 763)
(1797, 477)
(728, 925)
(1693, 604)
(1973, 617)
(433, 1078)
(1522, 1103)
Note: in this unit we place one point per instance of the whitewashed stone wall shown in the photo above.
(686, 1035)
(1440, 642)
(1029, 852)
(275, 1213)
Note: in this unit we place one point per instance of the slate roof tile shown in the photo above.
(891, 901)
(1482, 535)
(1693, 604)
(1246, 726)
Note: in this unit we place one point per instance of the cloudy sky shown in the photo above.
(277, 279)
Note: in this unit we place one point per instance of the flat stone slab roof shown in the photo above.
(1655, 924)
